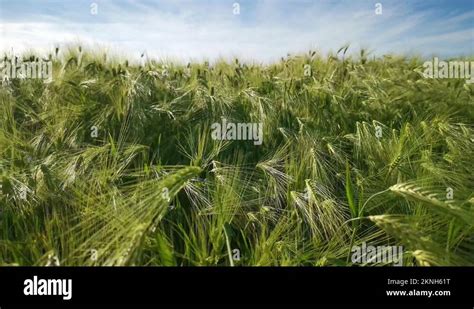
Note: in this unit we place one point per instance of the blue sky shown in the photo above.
(265, 30)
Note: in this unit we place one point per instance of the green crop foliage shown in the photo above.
(152, 187)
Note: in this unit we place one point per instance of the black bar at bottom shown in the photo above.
(241, 285)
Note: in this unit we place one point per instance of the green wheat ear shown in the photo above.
(117, 240)
(413, 192)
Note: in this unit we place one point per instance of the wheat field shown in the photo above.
(112, 162)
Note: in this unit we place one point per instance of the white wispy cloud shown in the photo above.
(264, 30)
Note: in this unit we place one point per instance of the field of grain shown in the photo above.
(113, 163)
